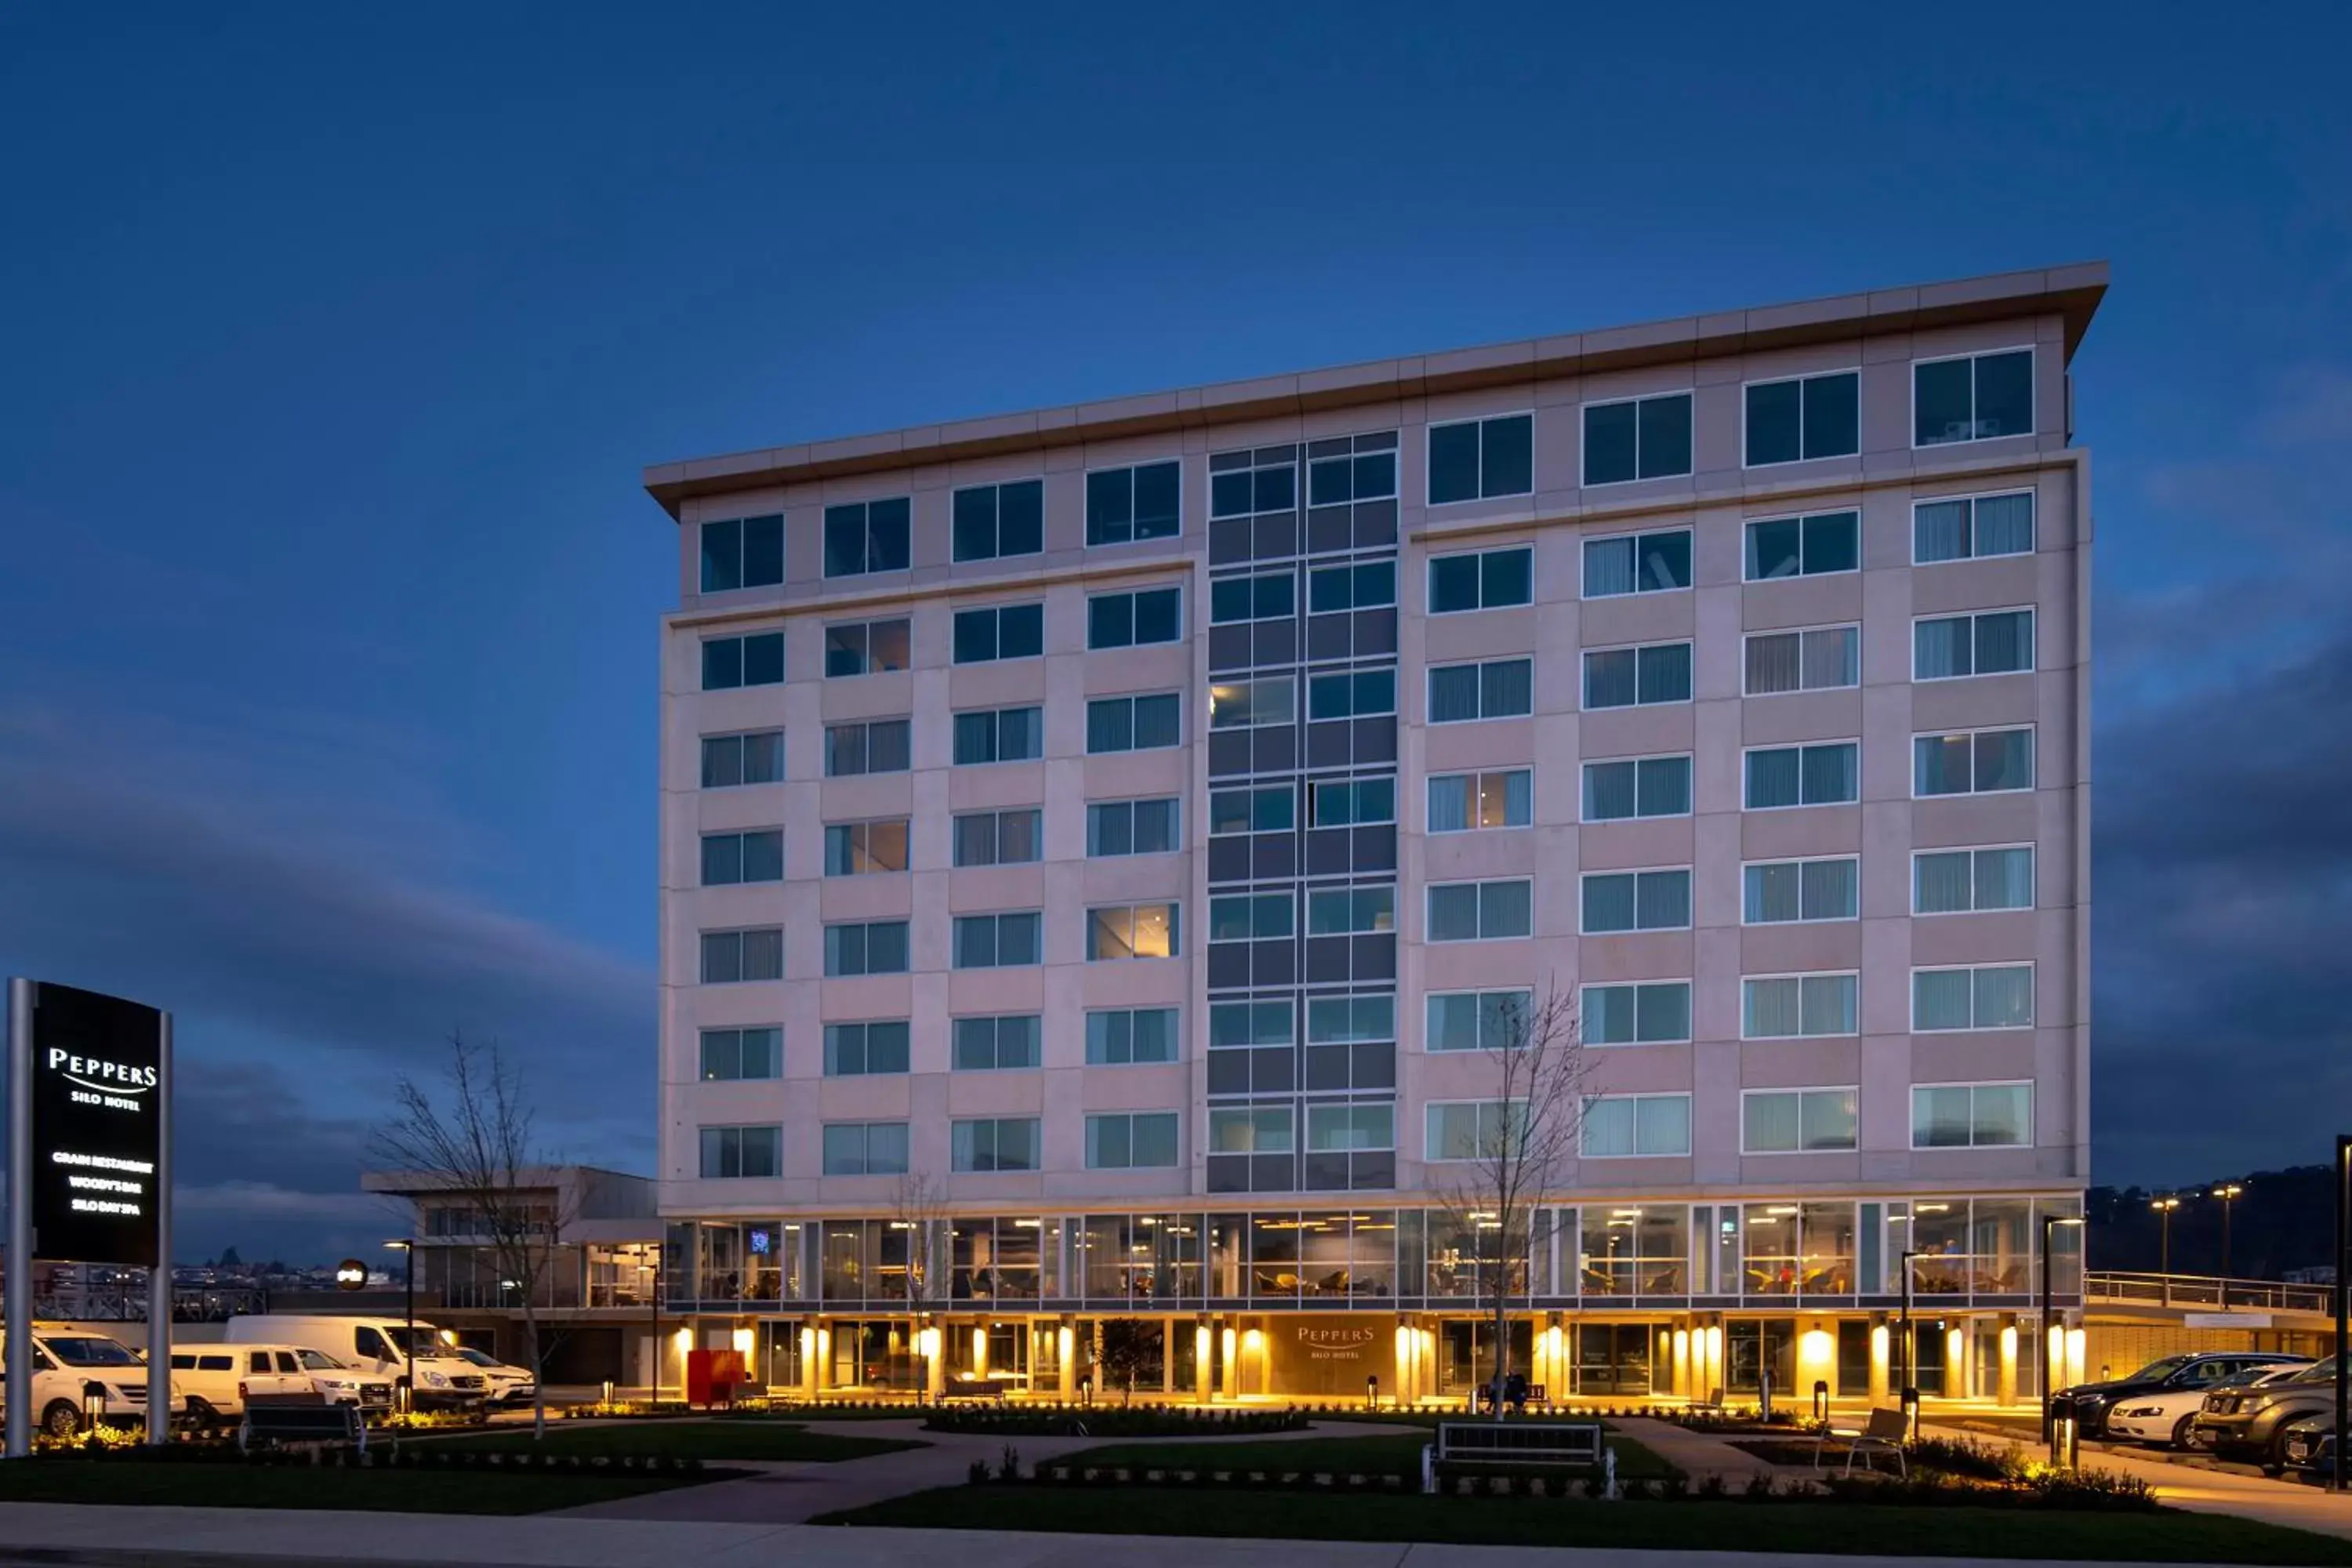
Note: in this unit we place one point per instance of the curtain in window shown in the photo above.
(2004, 997)
(1449, 802)
(1939, 532)
(1504, 908)
(2004, 1115)
(1940, 999)
(1771, 1123)
(1503, 1018)
(1832, 659)
(1508, 687)
(1771, 894)
(1608, 1127)
(1519, 798)
(1608, 791)
(1772, 663)
(2004, 879)
(1832, 773)
(1663, 900)
(1830, 888)
(975, 942)
(1608, 1015)
(1662, 1012)
(1666, 673)
(1940, 648)
(1939, 1118)
(2004, 524)
(2004, 760)
(1609, 903)
(1772, 1009)
(1661, 1124)
(1772, 778)
(1608, 567)
(1829, 1004)
(1453, 694)
(1828, 1119)
(2005, 642)
(1944, 884)
(1609, 679)
(763, 955)
(1939, 764)
(1665, 786)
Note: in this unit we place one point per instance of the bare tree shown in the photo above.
(919, 1212)
(475, 1143)
(1534, 1051)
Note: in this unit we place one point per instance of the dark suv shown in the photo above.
(2252, 1423)
(2089, 1403)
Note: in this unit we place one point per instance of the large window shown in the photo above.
(1134, 724)
(1804, 547)
(1000, 735)
(1971, 1115)
(1131, 1141)
(731, 1153)
(1986, 996)
(865, 848)
(865, 648)
(1472, 1129)
(742, 552)
(865, 537)
(1013, 836)
(1271, 596)
(876, 747)
(1133, 930)
(1825, 774)
(1963, 881)
(1342, 470)
(1124, 1036)
(1343, 1127)
(1967, 528)
(864, 1148)
(1474, 458)
(1479, 1020)
(1637, 438)
(1637, 677)
(865, 1050)
(1653, 562)
(1972, 398)
(995, 1143)
(1481, 911)
(1251, 1130)
(1650, 1012)
(999, 632)
(1637, 787)
(755, 758)
(1004, 1044)
(1775, 892)
(1368, 586)
(1818, 658)
(1363, 693)
(1637, 901)
(865, 947)
(1270, 808)
(1467, 803)
(1253, 704)
(1352, 803)
(994, 521)
(1991, 642)
(1791, 1006)
(1252, 917)
(1248, 482)
(1618, 1126)
(1976, 761)
(730, 1054)
(1350, 911)
(731, 858)
(1130, 620)
(754, 660)
(1798, 1121)
(1124, 505)
(1132, 827)
(1497, 689)
(1804, 416)
(998, 940)
(1484, 581)
(729, 956)
(1252, 1024)
(1350, 1020)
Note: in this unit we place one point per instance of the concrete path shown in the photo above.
(1696, 1453)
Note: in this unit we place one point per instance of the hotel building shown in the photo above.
(1101, 848)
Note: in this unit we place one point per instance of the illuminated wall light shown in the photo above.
(743, 1341)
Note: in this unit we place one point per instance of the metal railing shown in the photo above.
(2207, 1292)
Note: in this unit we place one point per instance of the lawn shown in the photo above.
(679, 1439)
(223, 1484)
(2163, 1536)
(1370, 1453)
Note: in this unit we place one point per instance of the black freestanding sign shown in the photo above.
(98, 1127)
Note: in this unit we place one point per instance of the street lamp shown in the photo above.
(1907, 1395)
(408, 1330)
(2228, 1193)
(2164, 1207)
(2049, 1222)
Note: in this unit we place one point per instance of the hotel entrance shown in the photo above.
(1620, 1359)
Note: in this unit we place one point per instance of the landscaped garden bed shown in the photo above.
(1111, 1421)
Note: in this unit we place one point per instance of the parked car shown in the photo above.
(378, 1347)
(2165, 1417)
(2252, 1423)
(2307, 1444)
(509, 1383)
(2089, 1403)
(211, 1382)
(74, 1368)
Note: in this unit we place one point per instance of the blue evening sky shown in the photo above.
(335, 340)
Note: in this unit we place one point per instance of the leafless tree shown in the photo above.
(918, 1213)
(474, 1140)
(1536, 1070)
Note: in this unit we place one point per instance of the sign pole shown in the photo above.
(19, 1307)
(159, 1278)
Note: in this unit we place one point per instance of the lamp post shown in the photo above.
(408, 1329)
(2228, 1193)
(1906, 1393)
(2049, 1222)
(2164, 1207)
(2343, 1307)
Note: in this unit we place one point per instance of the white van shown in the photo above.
(74, 1369)
(377, 1347)
(214, 1381)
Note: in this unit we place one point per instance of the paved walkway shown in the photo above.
(1696, 1453)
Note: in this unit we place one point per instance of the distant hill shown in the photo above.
(2284, 1219)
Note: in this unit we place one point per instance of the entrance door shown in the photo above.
(1753, 1347)
(1613, 1358)
(1466, 1353)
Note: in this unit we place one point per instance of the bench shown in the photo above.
(279, 1423)
(1576, 1443)
(1884, 1431)
(1483, 1397)
(1712, 1403)
(995, 1388)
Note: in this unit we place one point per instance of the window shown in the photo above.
(731, 858)
(876, 747)
(1350, 911)
(742, 552)
(998, 632)
(1338, 1128)
(995, 1143)
(994, 521)
(1995, 642)
(728, 956)
(1350, 1020)
(1485, 581)
(1822, 658)
(755, 758)
(754, 660)
(1253, 704)
(1353, 802)
(1131, 1141)
(1972, 398)
(1798, 1121)
(1124, 505)
(1133, 930)
(1244, 482)
(865, 1050)
(1470, 1129)
(1362, 694)
(1970, 528)
(1782, 547)
(997, 941)
(1637, 787)
(1467, 802)
(1478, 1020)
(1632, 676)
(1251, 1024)
(1000, 735)
(1825, 774)
(1254, 1129)
(1617, 1126)
(1132, 827)
(1369, 587)
(1637, 564)
(1989, 997)
(1636, 900)
(1272, 808)
(1499, 688)
(729, 1054)
(1780, 891)
(1657, 1013)
(1342, 470)
(1638, 438)
(1961, 881)
(1268, 597)
(1971, 1115)
(1805, 416)
(1789, 1007)
(865, 536)
(1133, 723)
(1480, 911)
(1013, 837)
(865, 848)
(1479, 457)
(996, 1045)
(1979, 761)
(1130, 620)
(868, 947)
(865, 648)
(864, 1148)
(732, 1152)
(1249, 916)
(1131, 1037)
